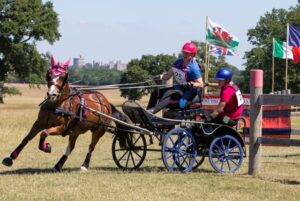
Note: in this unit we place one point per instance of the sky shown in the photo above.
(127, 29)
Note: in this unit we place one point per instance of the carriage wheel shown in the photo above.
(131, 155)
(179, 150)
(226, 154)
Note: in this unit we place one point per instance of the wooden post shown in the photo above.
(1, 92)
(256, 89)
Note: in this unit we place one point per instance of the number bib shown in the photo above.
(239, 97)
(179, 75)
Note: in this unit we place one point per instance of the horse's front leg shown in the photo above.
(71, 145)
(36, 128)
(44, 146)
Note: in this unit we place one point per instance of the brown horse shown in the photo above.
(66, 112)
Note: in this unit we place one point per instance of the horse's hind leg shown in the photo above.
(36, 128)
(96, 135)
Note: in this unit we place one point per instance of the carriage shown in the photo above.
(184, 137)
(185, 141)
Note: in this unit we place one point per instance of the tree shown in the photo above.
(22, 24)
(94, 76)
(139, 70)
(272, 24)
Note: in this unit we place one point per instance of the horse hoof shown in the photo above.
(7, 161)
(83, 169)
(57, 168)
(46, 148)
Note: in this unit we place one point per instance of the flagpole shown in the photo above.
(286, 56)
(208, 58)
(206, 50)
(208, 62)
(273, 68)
(206, 55)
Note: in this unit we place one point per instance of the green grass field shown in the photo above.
(31, 176)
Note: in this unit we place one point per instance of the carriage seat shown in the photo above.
(141, 117)
(175, 95)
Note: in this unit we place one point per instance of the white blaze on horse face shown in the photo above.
(53, 90)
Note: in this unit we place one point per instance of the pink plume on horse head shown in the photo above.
(58, 68)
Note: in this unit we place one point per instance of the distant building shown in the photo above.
(120, 65)
(78, 62)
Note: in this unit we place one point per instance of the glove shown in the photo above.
(208, 118)
(188, 85)
(183, 103)
(157, 77)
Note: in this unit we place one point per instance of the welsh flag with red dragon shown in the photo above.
(219, 36)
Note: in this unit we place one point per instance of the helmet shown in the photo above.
(190, 48)
(224, 74)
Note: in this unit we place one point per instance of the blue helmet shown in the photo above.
(224, 74)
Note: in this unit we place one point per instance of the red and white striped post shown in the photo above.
(256, 89)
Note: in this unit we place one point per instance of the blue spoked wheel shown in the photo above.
(226, 154)
(179, 150)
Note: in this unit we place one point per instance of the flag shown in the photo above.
(296, 54)
(221, 51)
(279, 49)
(294, 41)
(294, 36)
(219, 36)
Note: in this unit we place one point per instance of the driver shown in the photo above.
(187, 75)
(230, 107)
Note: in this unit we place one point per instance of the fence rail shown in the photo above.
(280, 142)
(274, 99)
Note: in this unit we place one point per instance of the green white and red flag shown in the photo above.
(279, 49)
(217, 35)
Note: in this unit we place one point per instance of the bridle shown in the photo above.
(58, 88)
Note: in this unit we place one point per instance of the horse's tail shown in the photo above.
(122, 131)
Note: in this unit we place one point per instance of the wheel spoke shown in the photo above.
(120, 149)
(168, 157)
(185, 153)
(136, 140)
(233, 162)
(229, 144)
(222, 166)
(222, 145)
(134, 151)
(228, 164)
(172, 140)
(127, 160)
(132, 159)
(230, 150)
(186, 161)
(138, 148)
(168, 149)
(220, 150)
(123, 155)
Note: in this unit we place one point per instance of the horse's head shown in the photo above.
(57, 78)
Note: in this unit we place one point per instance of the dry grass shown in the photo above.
(31, 176)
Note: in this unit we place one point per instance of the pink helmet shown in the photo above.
(190, 48)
